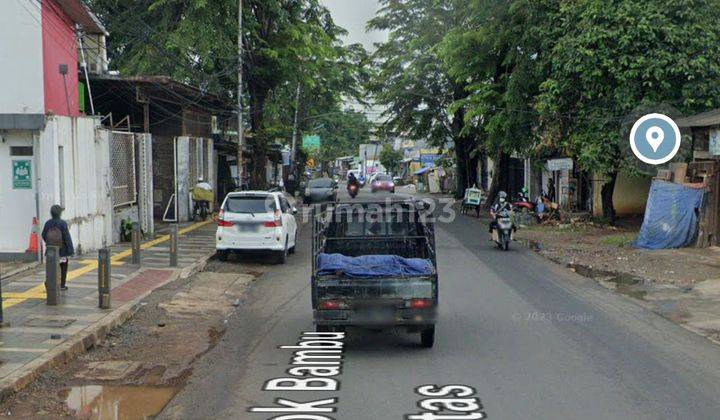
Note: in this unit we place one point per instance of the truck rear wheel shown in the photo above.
(427, 337)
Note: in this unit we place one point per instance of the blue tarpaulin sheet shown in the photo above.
(670, 216)
(373, 266)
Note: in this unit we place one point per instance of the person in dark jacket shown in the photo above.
(56, 233)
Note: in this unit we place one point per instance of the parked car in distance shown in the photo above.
(320, 190)
(382, 182)
(256, 221)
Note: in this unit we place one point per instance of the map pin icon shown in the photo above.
(655, 136)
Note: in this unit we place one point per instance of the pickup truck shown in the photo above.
(374, 265)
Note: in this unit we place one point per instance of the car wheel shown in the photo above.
(427, 337)
(292, 250)
(283, 255)
(222, 255)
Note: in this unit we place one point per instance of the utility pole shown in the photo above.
(241, 132)
(295, 130)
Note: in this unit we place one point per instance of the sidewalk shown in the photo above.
(36, 336)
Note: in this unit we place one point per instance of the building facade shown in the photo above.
(50, 151)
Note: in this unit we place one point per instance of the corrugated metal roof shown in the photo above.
(706, 119)
(81, 14)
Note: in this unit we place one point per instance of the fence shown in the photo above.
(122, 162)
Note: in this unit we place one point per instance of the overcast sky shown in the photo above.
(353, 16)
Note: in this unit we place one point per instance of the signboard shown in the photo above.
(473, 196)
(429, 160)
(560, 164)
(714, 146)
(311, 142)
(22, 174)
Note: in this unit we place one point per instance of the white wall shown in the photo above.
(74, 162)
(17, 205)
(21, 55)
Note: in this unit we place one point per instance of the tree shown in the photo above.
(413, 83)
(390, 158)
(341, 134)
(617, 56)
(498, 51)
(286, 43)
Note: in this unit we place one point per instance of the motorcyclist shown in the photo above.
(352, 180)
(500, 206)
(524, 195)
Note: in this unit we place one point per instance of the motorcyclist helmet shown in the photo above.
(502, 196)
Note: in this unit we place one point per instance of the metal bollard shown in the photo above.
(52, 274)
(173, 246)
(136, 260)
(104, 278)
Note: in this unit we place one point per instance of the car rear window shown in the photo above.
(320, 183)
(352, 224)
(382, 178)
(250, 204)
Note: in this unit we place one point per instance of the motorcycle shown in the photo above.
(202, 210)
(502, 234)
(523, 202)
(352, 190)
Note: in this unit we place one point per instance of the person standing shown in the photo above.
(56, 233)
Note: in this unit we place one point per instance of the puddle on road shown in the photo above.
(625, 284)
(117, 402)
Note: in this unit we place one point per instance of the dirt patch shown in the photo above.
(610, 249)
(143, 363)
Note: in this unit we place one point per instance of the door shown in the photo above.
(17, 191)
(289, 220)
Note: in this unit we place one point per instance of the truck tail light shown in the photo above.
(275, 223)
(420, 303)
(332, 304)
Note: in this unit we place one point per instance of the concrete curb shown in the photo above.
(86, 339)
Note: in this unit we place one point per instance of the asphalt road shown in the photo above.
(531, 338)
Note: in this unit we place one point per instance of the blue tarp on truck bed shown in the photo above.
(670, 216)
(372, 266)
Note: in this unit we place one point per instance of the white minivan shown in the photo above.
(256, 221)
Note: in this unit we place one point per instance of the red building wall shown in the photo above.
(59, 47)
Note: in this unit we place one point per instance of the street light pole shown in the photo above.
(295, 130)
(241, 132)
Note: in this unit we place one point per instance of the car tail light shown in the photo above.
(275, 223)
(332, 304)
(420, 303)
(224, 223)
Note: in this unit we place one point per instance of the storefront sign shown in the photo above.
(560, 164)
(22, 174)
(474, 196)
